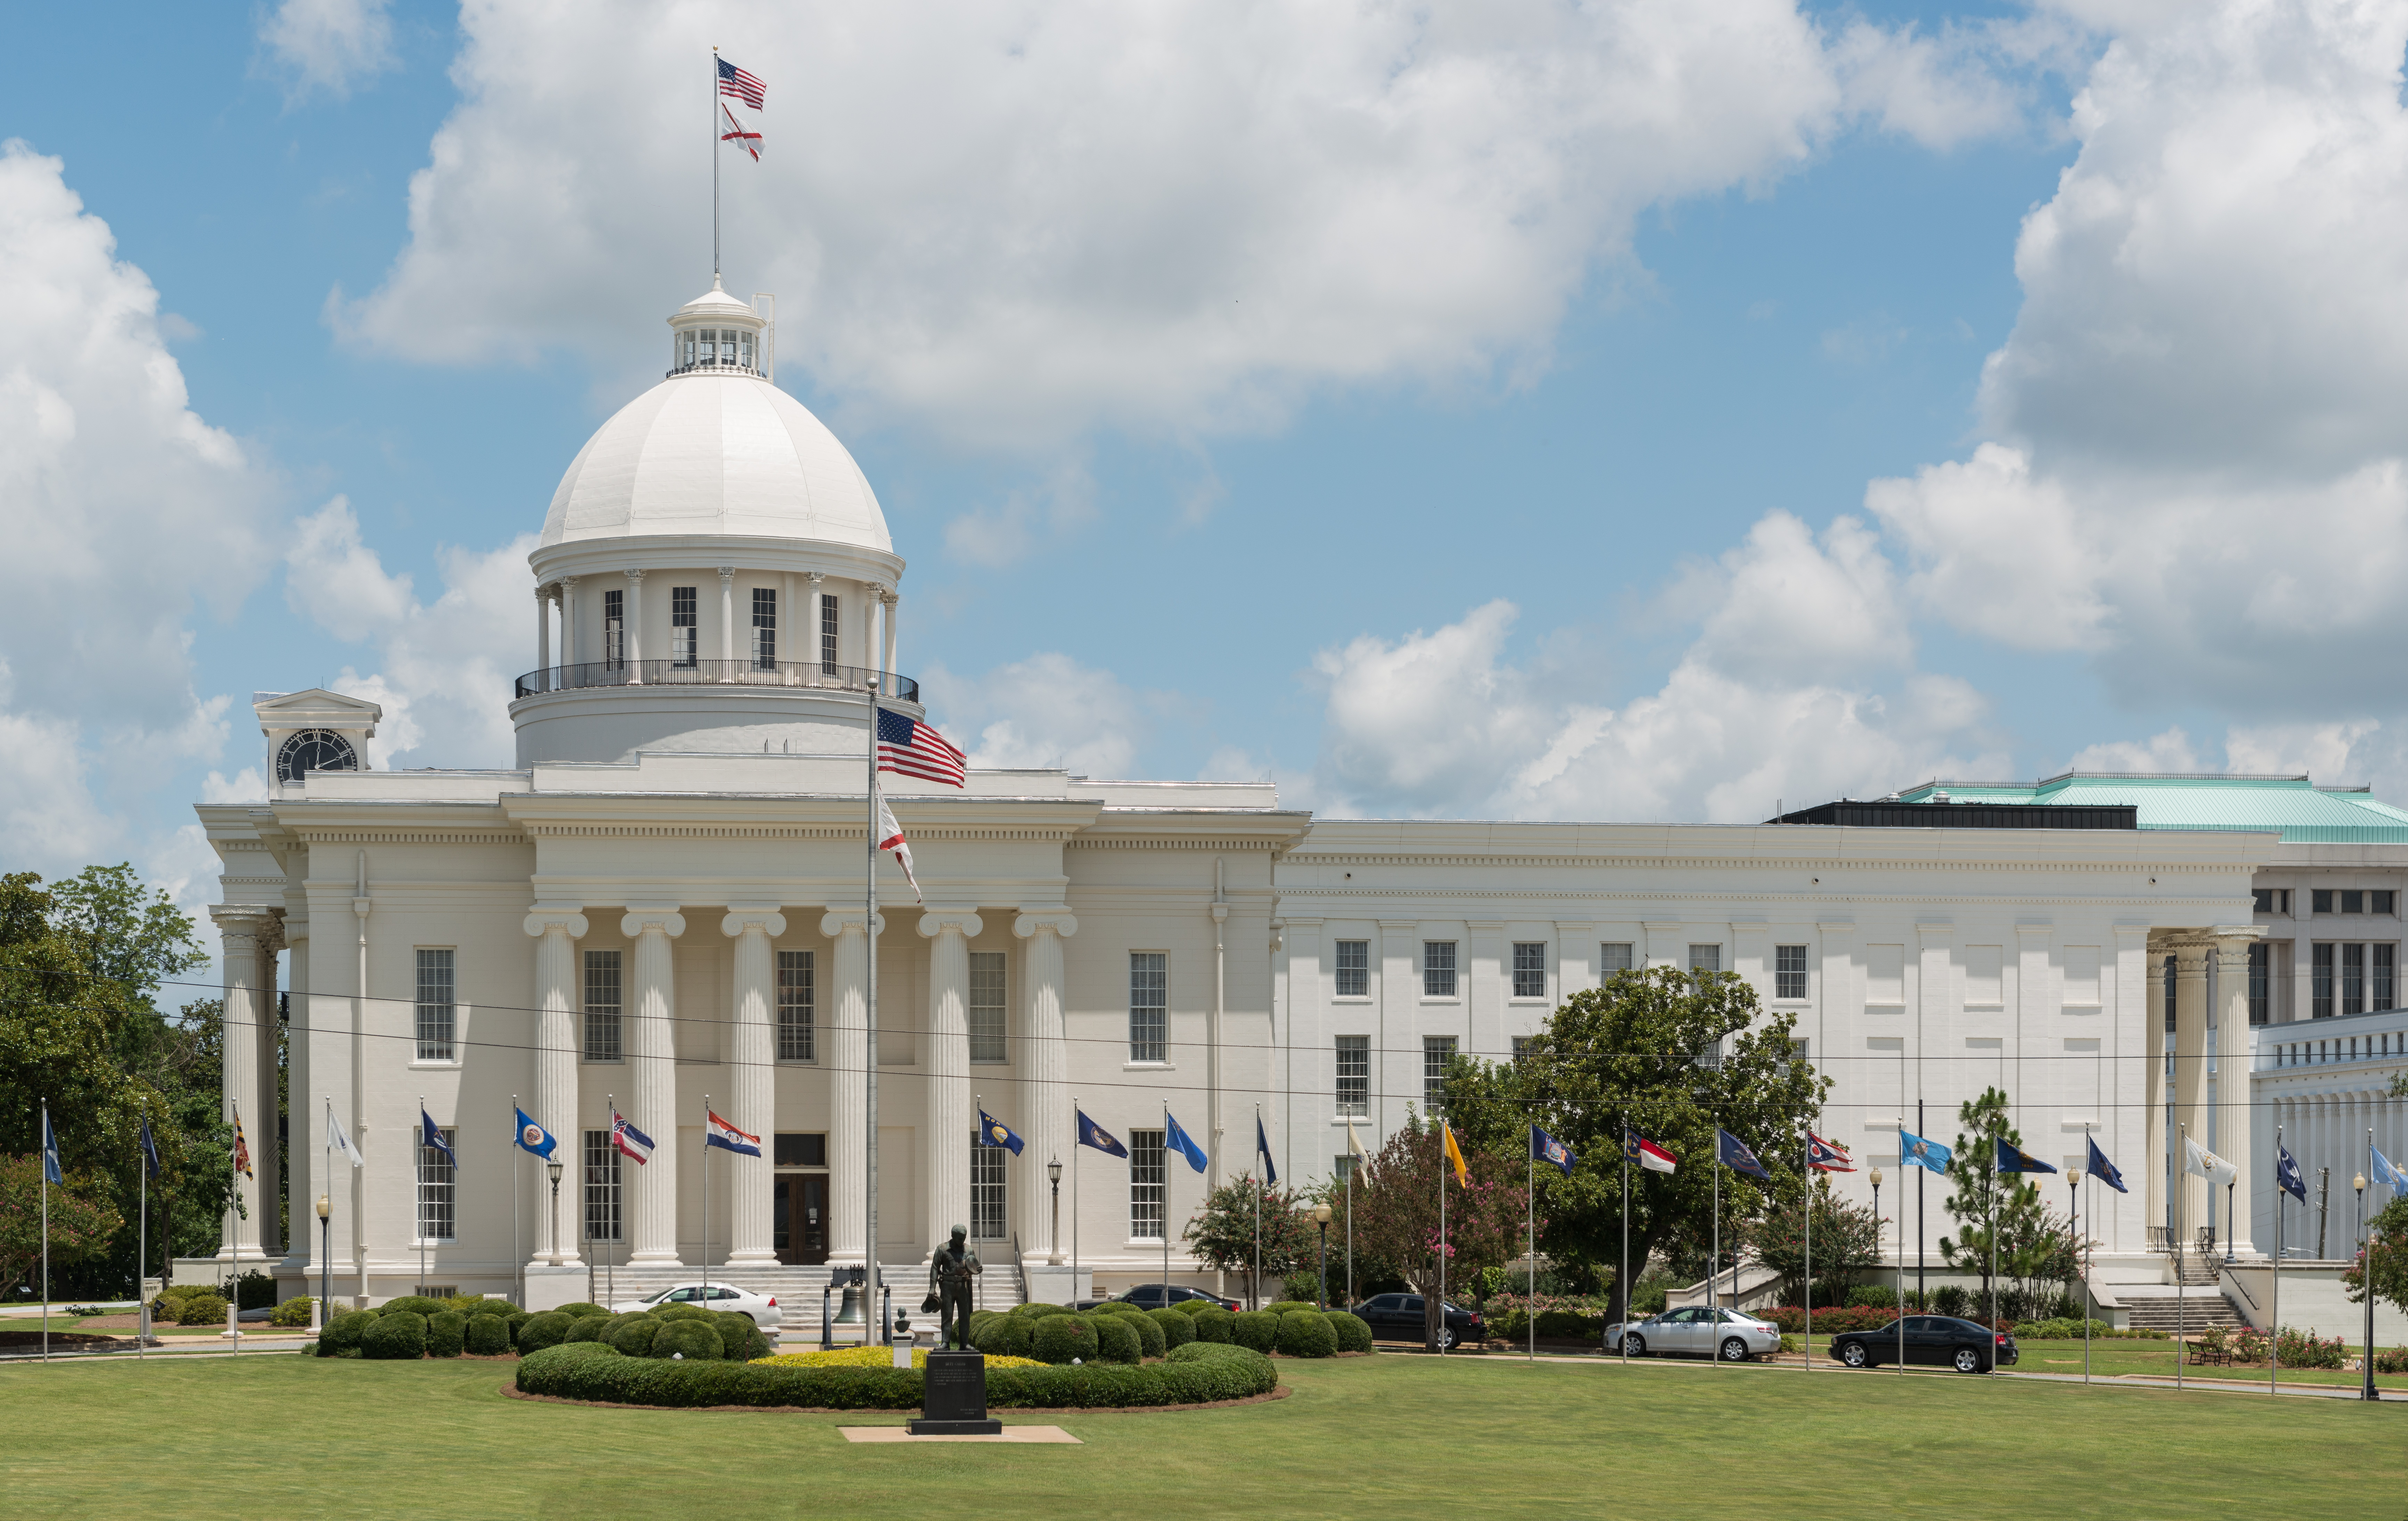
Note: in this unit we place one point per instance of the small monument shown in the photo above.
(953, 1401)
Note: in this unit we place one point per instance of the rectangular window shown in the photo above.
(1789, 971)
(602, 1007)
(2353, 901)
(987, 1042)
(1149, 1006)
(683, 631)
(1437, 1051)
(765, 629)
(2382, 984)
(799, 1148)
(1146, 1178)
(1353, 968)
(2167, 973)
(1342, 1168)
(2261, 983)
(434, 1190)
(986, 1192)
(2378, 902)
(1885, 974)
(1522, 1046)
(1529, 969)
(831, 624)
(2262, 899)
(2320, 900)
(614, 630)
(435, 1006)
(1705, 958)
(1353, 1075)
(2353, 978)
(601, 1187)
(798, 1007)
(1613, 957)
(2320, 981)
(1438, 968)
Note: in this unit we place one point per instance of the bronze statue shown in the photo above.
(951, 1269)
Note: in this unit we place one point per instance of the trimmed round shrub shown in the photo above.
(1006, 1336)
(1212, 1351)
(1282, 1307)
(400, 1336)
(548, 1329)
(1117, 1307)
(342, 1334)
(447, 1331)
(1176, 1329)
(979, 1321)
(1038, 1311)
(1151, 1342)
(579, 1307)
(517, 1320)
(1058, 1339)
(696, 1340)
(739, 1340)
(1194, 1307)
(203, 1309)
(634, 1339)
(586, 1328)
(1353, 1331)
(1214, 1324)
(413, 1304)
(1116, 1338)
(294, 1311)
(1258, 1330)
(677, 1312)
(489, 1336)
(1307, 1333)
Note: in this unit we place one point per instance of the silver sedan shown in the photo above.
(1698, 1332)
(763, 1308)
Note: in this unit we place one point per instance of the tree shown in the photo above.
(2033, 1245)
(1673, 1055)
(82, 1219)
(2389, 1231)
(1396, 1214)
(1222, 1234)
(1846, 1241)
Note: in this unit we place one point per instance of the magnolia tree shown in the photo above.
(1396, 1214)
(1846, 1239)
(82, 1222)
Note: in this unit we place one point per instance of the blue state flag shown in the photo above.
(1176, 1140)
(2016, 1160)
(150, 1152)
(430, 1136)
(2287, 1176)
(534, 1137)
(1092, 1134)
(2386, 1172)
(2104, 1170)
(1915, 1151)
(1736, 1156)
(50, 1153)
(993, 1132)
(1546, 1148)
(1263, 1149)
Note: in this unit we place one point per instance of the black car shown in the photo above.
(1159, 1297)
(1931, 1341)
(1400, 1317)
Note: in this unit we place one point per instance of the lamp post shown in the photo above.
(1321, 1218)
(325, 1268)
(2366, 1286)
(553, 1166)
(1053, 1176)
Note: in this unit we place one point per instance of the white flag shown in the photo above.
(890, 837)
(338, 1140)
(2199, 1159)
(1353, 1146)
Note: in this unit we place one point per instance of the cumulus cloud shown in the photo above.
(1020, 221)
(1045, 711)
(329, 45)
(440, 670)
(127, 516)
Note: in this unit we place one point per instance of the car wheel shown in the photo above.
(1855, 1355)
(1635, 1344)
(1445, 1337)
(1734, 1351)
(1968, 1360)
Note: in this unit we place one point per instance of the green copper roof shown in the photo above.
(2292, 806)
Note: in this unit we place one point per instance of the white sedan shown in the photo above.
(1698, 1332)
(762, 1308)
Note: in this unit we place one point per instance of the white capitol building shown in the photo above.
(661, 898)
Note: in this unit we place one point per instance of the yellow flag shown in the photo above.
(1454, 1154)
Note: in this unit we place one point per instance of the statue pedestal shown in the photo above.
(953, 1403)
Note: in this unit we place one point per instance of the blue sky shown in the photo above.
(1631, 367)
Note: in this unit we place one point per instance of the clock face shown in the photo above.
(314, 750)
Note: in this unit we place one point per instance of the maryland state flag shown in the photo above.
(1454, 1154)
(243, 1150)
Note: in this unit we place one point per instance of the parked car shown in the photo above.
(1159, 1295)
(763, 1308)
(1699, 1331)
(1401, 1317)
(1934, 1341)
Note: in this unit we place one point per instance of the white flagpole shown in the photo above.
(1442, 1133)
(1622, 1284)
(618, 1214)
(419, 1205)
(714, 202)
(142, 1258)
(2182, 1198)
(1166, 1204)
(1258, 1208)
(2274, 1313)
(1530, 1205)
(234, 1244)
(46, 1233)
(1078, 1144)
(516, 1249)
(706, 1174)
(1809, 1342)
(870, 927)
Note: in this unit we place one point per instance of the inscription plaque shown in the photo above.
(953, 1400)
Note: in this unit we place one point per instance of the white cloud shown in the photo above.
(329, 45)
(1019, 220)
(2170, 751)
(1046, 711)
(127, 514)
(443, 671)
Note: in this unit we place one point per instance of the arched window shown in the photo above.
(314, 750)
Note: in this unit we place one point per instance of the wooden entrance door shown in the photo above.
(799, 1218)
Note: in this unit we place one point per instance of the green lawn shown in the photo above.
(1375, 1437)
(2111, 1357)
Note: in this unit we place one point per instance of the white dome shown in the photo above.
(715, 454)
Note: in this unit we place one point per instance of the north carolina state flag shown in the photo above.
(1637, 1148)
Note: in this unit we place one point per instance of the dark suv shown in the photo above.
(1399, 1317)
(1159, 1296)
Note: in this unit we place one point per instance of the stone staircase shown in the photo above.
(797, 1290)
(2193, 1312)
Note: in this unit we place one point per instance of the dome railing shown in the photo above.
(777, 675)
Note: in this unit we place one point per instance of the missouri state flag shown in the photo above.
(729, 1139)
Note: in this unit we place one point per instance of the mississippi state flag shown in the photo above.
(1826, 1155)
(630, 1141)
(727, 1137)
(1637, 1148)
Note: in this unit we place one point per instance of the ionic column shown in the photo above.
(848, 1058)
(556, 932)
(568, 619)
(1050, 1128)
(892, 601)
(806, 618)
(2233, 1087)
(755, 1098)
(727, 622)
(2191, 1076)
(239, 935)
(542, 628)
(263, 1143)
(950, 1120)
(653, 1054)
(634, 632)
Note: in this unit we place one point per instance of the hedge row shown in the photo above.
(595, 1371)
(414, 1325)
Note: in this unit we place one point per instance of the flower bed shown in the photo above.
(870, 1356)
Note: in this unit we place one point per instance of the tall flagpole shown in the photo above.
(1077, 1146)
(2182, 1198)
(47, 1146)
(1808, 1176)
(421, 1210)
(1624, 1283)
(1258, 1208)
(516, 1249)
(2274, 1313)
(1530, 1307)
(714, 278)
(706, 1189)
(1442, 1133)
(870, 927)
(1166, 1208)
(142, 1259)
(234, 1243)
(1715, 1268)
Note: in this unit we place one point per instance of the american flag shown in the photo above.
(912, 748)
(744, 86)
(749, 141)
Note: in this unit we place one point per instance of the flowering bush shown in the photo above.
(2304, 1350)
(2391, 1360)
(1830, 1319)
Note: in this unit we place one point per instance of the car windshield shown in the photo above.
(655, 1298)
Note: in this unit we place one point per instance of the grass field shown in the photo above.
(2113, 1355)
(1373, 1437)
